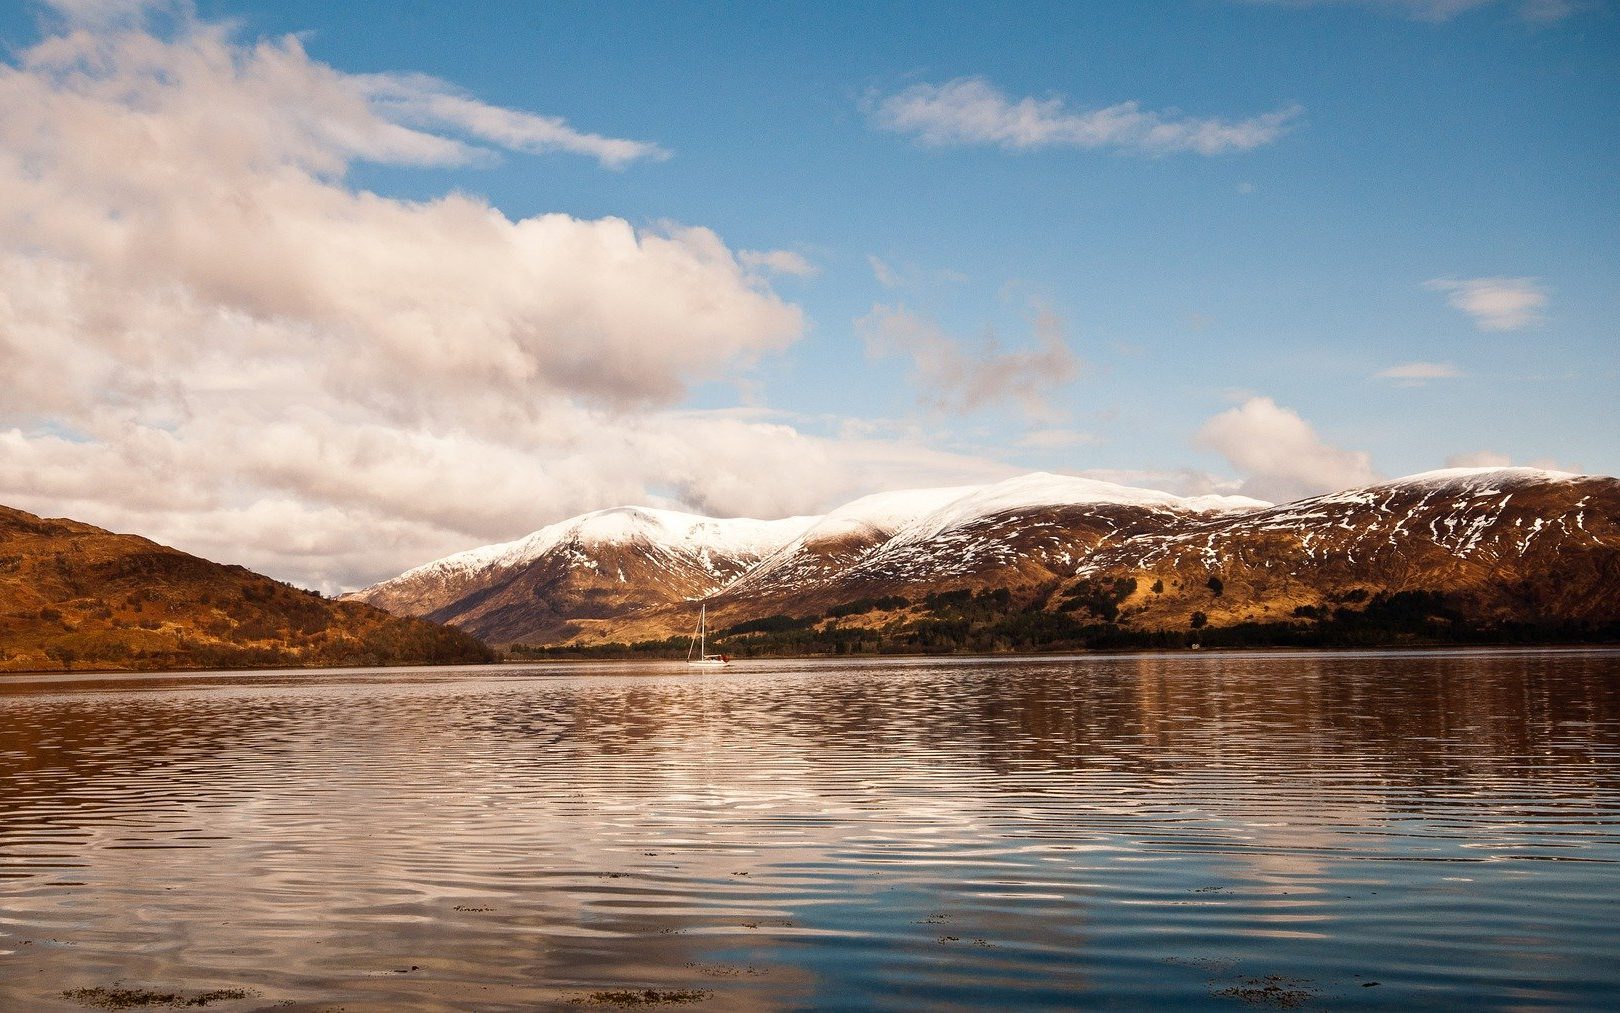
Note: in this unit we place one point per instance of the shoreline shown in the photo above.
(998, 656)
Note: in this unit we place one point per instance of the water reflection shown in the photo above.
(905, 833)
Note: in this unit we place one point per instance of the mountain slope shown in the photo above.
(834, 543)
(602, 564)
(74, 595)
(633, 572)
(1505, 545)
(1024, 532)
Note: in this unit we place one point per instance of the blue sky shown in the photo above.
(1425, 152)
(1485, 145)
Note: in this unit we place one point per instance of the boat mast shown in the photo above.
(703, 632)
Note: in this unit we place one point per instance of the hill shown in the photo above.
(76, 596)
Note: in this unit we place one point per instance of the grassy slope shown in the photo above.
(74, 595)
(1087, 618)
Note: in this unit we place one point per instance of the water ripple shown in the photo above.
(894, 834)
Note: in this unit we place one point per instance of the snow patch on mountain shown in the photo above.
(871, 519)
(1040, 489)
(883, 513)
(903, 516)
(888, 522)
(1474, 478)
(649, 526)
(1458, 510)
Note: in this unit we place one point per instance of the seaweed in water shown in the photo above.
(646, 997)
(1272, 990)
(133, 998)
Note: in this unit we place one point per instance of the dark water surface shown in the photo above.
(1218, 830)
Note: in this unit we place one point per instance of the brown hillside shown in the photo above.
(1505, 548)
(76, 596)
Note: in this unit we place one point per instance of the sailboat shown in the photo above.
(700, 645)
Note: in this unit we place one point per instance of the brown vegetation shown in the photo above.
(73, 596)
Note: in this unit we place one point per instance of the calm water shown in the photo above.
(1186, 829)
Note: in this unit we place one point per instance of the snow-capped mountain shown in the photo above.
(1030, 529)
(607, 568)
(607, 562)
(1513, 544)
(689, 541)
(1510, 541)
(830, 546)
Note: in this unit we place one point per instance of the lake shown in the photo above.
(1217, 830)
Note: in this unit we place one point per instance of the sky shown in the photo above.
(330, 290)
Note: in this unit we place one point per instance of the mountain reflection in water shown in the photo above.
(1203, 830)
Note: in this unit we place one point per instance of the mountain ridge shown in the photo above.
(1029, 530)
(1502, 545)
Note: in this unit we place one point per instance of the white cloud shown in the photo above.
(910, 275)
(971, 110)
(159, 193)
(886, 275)
(1180, 481)
(1418, 10)
(1479, 459)
(428, 102)
(954, 376)
(1416, 374)
(1495, 304)
(1548, 11)
(112, 13)
(209, 337)
(1279, 454)
(1440, 11)
(332, 501)
(1492, 459)
(779, 262)
(1056, 439)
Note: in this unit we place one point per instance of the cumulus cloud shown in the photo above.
(209, 336)
(111, 13)
(159, 193)
(779, 262)
(1495, 304)
(336, 501)
(1416, 374)
(956, 376)
(1280, 456)
(973, 111)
